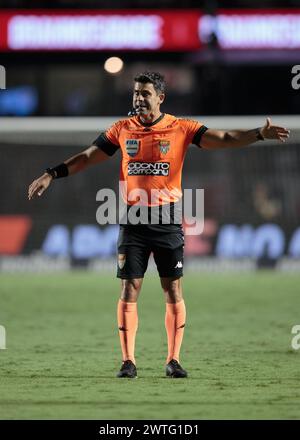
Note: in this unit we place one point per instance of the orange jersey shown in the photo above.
(153, 156)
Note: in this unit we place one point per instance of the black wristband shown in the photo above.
(58, 171)
(259, 136)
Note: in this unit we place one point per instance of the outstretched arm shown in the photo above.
(240, 138)
(74, 164)
(84, 159)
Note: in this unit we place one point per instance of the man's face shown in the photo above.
(145, 98)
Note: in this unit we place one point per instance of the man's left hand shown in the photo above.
(270, 131)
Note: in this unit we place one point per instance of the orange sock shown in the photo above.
(128, 324)
(175, 322)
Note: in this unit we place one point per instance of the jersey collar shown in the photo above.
(150, 124)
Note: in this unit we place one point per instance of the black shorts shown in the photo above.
(135, 244)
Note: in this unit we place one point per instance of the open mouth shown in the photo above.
(141, 109)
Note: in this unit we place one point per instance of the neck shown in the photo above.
(151, 117)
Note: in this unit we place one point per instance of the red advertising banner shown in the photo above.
(99, 30)
(150, 30)
(253, 28)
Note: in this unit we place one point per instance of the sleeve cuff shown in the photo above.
(198, 135)
(105, 145)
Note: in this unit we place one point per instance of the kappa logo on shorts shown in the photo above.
(121, 260)
(132, 147)
(164, 146)
(178, 265)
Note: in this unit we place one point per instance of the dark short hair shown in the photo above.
(155, 78)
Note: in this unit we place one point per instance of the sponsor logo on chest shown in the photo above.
(164, 146)
(132, 147)
(148, 168)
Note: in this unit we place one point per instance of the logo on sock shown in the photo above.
(178, 265)
(122, 329)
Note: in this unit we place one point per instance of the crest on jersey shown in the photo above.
(164, 146)
(132, 147)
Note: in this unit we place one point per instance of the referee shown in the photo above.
(153, 146)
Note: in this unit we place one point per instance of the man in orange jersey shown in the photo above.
(153, 147)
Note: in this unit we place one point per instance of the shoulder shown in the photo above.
(187, 125)
(186, 122)
(117, 126)
(170, 121)
(190, 126)
(121, 123)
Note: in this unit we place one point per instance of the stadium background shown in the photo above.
(55, 103)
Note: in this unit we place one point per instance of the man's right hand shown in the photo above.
(39, 185)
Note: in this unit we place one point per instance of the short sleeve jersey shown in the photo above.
(152, 156)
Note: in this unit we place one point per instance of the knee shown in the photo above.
(130, 290)
(173, 296)
(173, 291)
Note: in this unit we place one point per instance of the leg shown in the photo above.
(128, 318)
(175, 323)
(172, 289)
(131, 289)
(175, 316)
(132, 264)
(169, 263)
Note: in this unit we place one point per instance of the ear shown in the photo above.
(161, 98)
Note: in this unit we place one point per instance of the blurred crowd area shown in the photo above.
(73, 85)
(251, 204)
(208, 81)
(255, 185)
(115, 4)
(251, 195)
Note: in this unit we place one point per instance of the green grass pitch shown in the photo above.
(63, 349)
